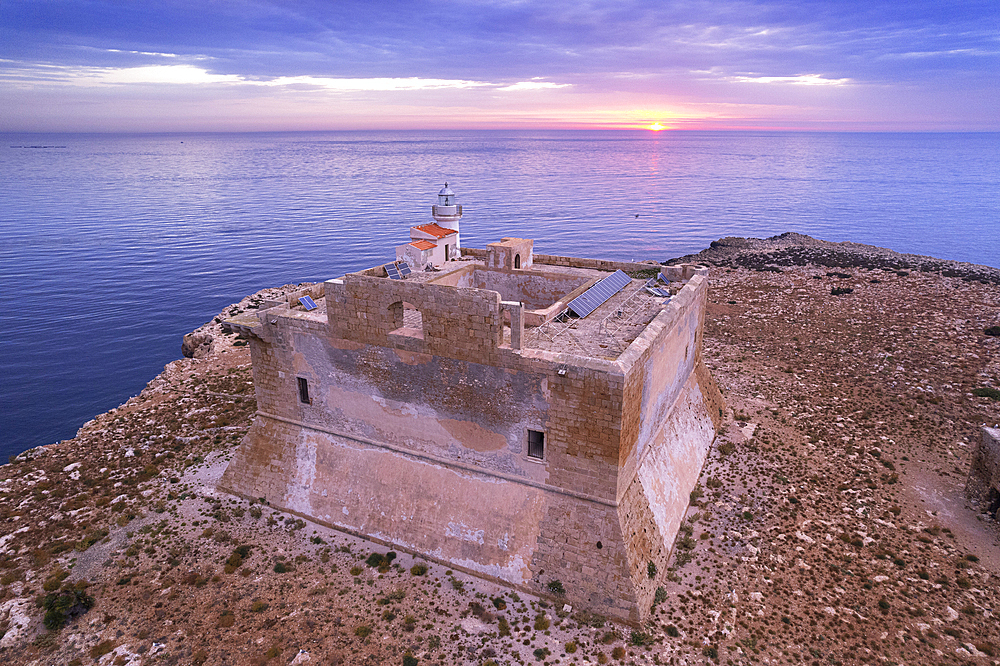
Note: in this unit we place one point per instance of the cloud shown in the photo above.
(168, 74)
(373, 84)
(535, 85)
(801, 79)
(193, 75)
(814, 55)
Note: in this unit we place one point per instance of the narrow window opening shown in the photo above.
(447, 252)
(517, 261)
(407, 320)
(536, 444)
(994, 501)
(303, 390)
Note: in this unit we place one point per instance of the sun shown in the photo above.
(656, 127)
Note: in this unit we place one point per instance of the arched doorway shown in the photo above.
(517, 261)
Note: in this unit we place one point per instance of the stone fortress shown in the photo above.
(464, 413)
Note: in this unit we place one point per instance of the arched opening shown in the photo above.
(517, 261)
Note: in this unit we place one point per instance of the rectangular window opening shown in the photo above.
(303, 390)
(536, 444)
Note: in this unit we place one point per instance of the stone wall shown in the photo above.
(983, 486)
(535, 289)
(461, 323)
(670, 415)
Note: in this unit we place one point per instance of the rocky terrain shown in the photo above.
(829, 526)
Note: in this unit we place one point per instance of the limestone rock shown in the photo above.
(196, 344)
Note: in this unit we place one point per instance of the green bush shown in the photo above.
(993, 330)
(556, 587)
(651, 569)
(987, 392)
(410, 660)
(60, 607)
(53, 582)
(418, 569)
(641, 638)
(92, 537)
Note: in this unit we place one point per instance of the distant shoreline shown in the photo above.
(793, 249)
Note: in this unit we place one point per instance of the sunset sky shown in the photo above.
(125, 66)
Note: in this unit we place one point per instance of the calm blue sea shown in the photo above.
(112, 246)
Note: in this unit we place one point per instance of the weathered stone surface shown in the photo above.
(197, 344)
(983, 486)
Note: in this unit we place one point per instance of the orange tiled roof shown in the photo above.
(435, 230)
(423, 244)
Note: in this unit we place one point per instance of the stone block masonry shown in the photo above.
(983, 486)
(432, 434)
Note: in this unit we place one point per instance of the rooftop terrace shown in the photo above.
(544, 291)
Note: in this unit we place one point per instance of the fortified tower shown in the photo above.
(447, 213)
(461, 413)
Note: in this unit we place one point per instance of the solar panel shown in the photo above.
(308, 303)
(594, 297)
(664, 278)
(404, 269)
(392, 271)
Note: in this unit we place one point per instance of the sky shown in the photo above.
(212, 65)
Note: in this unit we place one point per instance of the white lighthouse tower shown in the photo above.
(448, 214)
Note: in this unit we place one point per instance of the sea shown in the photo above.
(112, 247)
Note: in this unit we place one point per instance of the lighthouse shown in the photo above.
(448, 214)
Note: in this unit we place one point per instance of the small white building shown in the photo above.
(437, 242)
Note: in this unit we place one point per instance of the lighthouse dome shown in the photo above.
(446, 198)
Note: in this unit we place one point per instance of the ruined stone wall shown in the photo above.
(462, 323)
(674, 273)
(610, 266)
(984, 474)
(533, 289)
